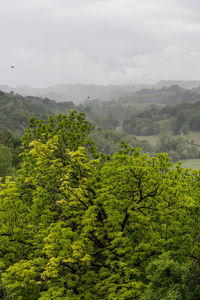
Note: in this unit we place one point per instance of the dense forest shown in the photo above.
(85, 213)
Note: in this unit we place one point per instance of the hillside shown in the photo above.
(140, 123)
(78, 93)
(173, 119)
(16, 110)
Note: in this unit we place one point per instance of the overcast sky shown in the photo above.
(98, 41)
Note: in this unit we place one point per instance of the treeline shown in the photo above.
(114, 122)
(181, 118)
(139, 101)
(16, 110)
(167, 95)
(143, 114)
(135, 119)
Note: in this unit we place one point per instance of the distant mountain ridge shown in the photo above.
(78, 93)
(190, 84)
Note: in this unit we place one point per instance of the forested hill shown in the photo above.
(144, 99)
(78, 93)
(16, 110)
(167, 95)
(117, 121)
(173, 119)
(143, 115)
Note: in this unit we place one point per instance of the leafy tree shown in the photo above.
(5, 161)
(194, 123)
(168, 278)
(180, 122)
(141, 125)
(72, 130)
(13, 145)
(77, 225)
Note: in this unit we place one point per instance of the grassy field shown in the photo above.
(152, 139)
(191, 164)
(193, 136)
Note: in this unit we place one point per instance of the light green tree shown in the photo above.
(88, 226)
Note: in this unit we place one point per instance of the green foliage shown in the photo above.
(177, 148)
(77, 225)
(71, 130)
(194, 122)
(5, 161)
(15, 110)
(108, 141)
(182, 117)
(9, 154)
(109, 123)
(167, 280)
(140, 125)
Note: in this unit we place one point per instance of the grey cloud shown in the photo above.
(98, 41)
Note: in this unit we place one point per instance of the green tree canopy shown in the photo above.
(77, 226)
